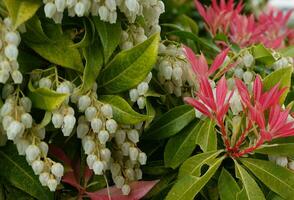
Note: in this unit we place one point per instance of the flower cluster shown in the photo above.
(258, 119)
(9, 41)
(133, 36)
(138, 94)
(269, 29)
(173, 70)
(107, 10)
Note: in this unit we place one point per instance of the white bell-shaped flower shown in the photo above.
(32, 152)
(38, 167)
(103, 136)
(57, 120)
(142, 158)
(60, 5)
(80, 9)
(82, 130)
(17, 77)
(134, 95)
(126, 189)
(119, 181)
(96, 125)
(133, 135)
(15, 129)
(27, 120)
(107, 111)
(142, 88)
(45, 83)
(50, 9)
(90, 113)
(57, 170)
(43, 178)
(120, 137)
(84, 102)
(52, 184)
(98, 167)
(90, 160)
(111, 125)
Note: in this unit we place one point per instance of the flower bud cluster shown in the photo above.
(281, 61)
(18, 125)
(173, 70)
(9, 41)
(127, 157)
(138, 94)
(283, 161)
(133, 36)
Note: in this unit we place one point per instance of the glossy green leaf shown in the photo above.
(277, 149)
(34, 26)
(250, 190)
(181, 146)
(193, 165)
(88, 35)
(130, 67)
(288, 51)
(46, 99)
(14, 168)
(278, 179)
(227, 186)
(21, 11)
(282, 76)
(110, 35)
(170, 123)
(94, 62)
(187, 24)
(59, 51)
(263, 55)
(46, 120)
(207, 138)
(122, 111)
(187, 187)
(150, 112)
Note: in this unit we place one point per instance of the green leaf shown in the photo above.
(227, 186)
(250, 190)
(278, 179)
(189, 186)
(282, 76)
(88, 35)
(59, 51)
(288, 51)
(170, 123)
(150, 112)
(34, 27)
(21, 11)
(206, 137)
(46, 99)
(110, 35)
(263, 55)
(15, 169)
(130, 67)
(94, 62)
(181, 146)
(193, 165)
(122, 111)
(188, 24)
(46, 120)
(277, 149)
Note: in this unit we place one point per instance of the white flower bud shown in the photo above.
(89, 146)
(22, 145)
(125, 148)
(119, 181)
(8, 22)
(111, 125)
(50, 9)
(98, 167)
(139, 126)
(84, 102)
(248, 77)
(6, 121)
(149, 77)
(45, 83)
(239, 72)
(111, 5)
(133, 153)
(120, 137)
(142, 158)
(282, 161)
(167, 72)
(44, 148)
(115, 169)
(139, 174)
(42, 133)
(130, 174)
(11, 52)
(17, 77)
(141, 102)
(133, 136)
(32, 152)
(105, 154)
(14, 65)
(38, 166)
(43, 178)
(96, 125)
(71, 3)
(127, 45)
(291, 165)
(143, 88)
(106, 110)
(103, 136)
(26, 103)
(27, 120)
(134, 95)
(177, 73)
(80, 9)
(15, 129)
(82, 130)
(235, 103)
(57, 120)
(63, 88)
(68, 124)
(169, 86)
(52, 184)
(7, 90)
(60, 5)
(57, 170)
(12, 38)
(126, 189)
(90, 113)
(90, 160)
(4, 76)
(248, 59)
(103, 13)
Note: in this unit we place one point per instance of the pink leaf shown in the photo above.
(138, 190)
(70, 179)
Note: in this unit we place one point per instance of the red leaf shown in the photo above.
(59, 153)
(70, 179)
(138, 190)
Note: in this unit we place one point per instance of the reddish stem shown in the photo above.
(242, 137)
(225, 136)
(249, 149)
